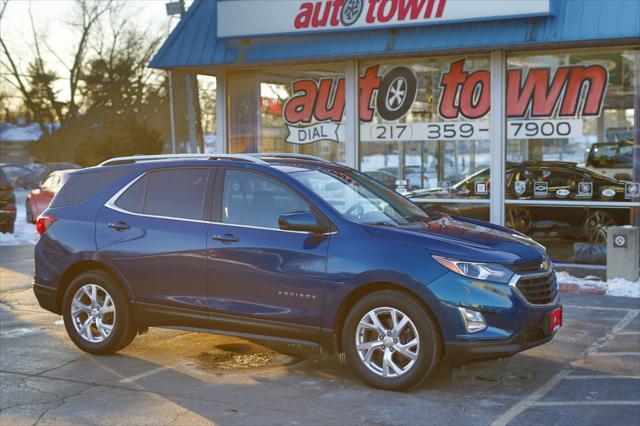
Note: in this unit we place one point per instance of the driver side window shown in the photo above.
(252, 199)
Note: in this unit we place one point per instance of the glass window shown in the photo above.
(288, 109)
(82, 185)
(256, 200)
(570, 138)
(424, 129)
(176, 193)
(359, 198)
(132, 199)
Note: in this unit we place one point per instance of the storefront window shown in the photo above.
(571, 143)
(424, 130)
(288, 109)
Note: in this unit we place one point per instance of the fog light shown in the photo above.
(473, 320)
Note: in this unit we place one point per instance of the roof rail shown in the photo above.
(285, 155)
(139, 158)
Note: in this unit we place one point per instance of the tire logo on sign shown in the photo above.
(562, 192)
(397, 93)
(351, 11)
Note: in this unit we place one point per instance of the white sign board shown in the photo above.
(244, 18)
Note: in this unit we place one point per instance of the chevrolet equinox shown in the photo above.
(289, 248)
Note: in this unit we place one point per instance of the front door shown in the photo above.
(155, 234)
(257, 271)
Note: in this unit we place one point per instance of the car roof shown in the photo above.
(287, 163)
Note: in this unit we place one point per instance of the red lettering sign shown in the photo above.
(570, 91)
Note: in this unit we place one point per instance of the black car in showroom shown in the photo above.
(7, 204)
(542, 180)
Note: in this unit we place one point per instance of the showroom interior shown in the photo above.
(527, 120)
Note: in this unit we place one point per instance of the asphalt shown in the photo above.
(588, 375)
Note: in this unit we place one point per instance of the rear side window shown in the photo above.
(176, 193)
(132, 199)
(81, 186)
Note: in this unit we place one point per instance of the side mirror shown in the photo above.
(300, 221)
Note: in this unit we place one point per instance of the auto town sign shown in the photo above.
(243, 18)
(544, 103)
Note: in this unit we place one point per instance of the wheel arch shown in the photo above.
(365, 289)
(83, 266)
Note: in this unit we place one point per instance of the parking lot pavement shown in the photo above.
(589, 374)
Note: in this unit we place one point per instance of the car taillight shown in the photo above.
(43, 222)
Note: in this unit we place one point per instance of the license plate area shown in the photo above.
(554, 321)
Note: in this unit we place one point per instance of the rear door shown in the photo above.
(258, 271)
(154, 232)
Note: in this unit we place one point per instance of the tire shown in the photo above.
(519, 219)
(595, 226)
(118, 314)
(426, 355)
(399, 78)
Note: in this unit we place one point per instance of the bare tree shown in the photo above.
(85, 19)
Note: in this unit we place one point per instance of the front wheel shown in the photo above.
(97, 314)
(391, 341)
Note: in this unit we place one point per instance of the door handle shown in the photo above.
(225, 238)
(119, 226)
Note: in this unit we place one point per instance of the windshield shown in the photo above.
(360, 198)
(611, 155)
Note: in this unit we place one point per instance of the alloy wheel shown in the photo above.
(93, 313)
(596, 227)
(387, 342)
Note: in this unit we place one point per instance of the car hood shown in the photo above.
(466, 239)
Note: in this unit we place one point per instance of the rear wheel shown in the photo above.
(97, 314)
(391, 341)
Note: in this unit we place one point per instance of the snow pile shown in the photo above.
(612, 287)
(17, 133)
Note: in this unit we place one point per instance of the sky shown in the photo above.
(50, 17)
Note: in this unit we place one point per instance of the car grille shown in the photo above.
(525, 268)
(539, 290)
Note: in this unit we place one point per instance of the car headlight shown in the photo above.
(479, 271)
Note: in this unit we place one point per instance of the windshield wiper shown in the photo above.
(417, 218)
(380, 223)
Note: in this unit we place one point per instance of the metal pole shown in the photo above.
(352, 124)
(498, 137)
(221, 113)
(172, 114)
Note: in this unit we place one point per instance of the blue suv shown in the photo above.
(288, 248)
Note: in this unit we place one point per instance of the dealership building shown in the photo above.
(523, 113)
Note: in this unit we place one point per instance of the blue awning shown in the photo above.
(193, 42)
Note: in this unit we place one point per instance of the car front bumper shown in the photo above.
(513, 323)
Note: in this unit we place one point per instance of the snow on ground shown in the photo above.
(24, 233)
(612, 287)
